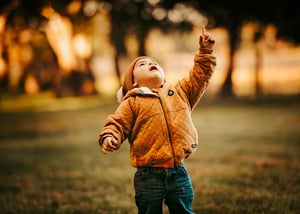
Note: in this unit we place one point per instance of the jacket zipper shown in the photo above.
(168, 129)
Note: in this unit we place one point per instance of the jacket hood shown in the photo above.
(128, 78)
(136, 91)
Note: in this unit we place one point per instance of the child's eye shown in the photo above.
(141, 64)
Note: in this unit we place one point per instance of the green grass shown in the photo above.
(248, 161)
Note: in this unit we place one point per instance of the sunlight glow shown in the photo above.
(3, 65)
(159, 13)
(2, 23)
(59, 32)
(90, 8)
(31, 85)
(74, 7)
(175, 16)
(82, 46)
(277, 73)
(153, 2)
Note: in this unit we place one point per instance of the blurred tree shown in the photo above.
(56, 20)
(232, 14)
(138, 17)
(16, 51)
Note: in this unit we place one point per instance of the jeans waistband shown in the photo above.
(161, 170)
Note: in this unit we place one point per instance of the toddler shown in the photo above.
(155, 118)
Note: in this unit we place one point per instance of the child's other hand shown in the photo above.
(109, 144)
(205, 40)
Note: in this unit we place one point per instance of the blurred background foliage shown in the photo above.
(81, 47)
(248, 161)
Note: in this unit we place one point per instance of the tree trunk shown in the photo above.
(227, 87)
(258, 65)
(142, 35)
(117, 68)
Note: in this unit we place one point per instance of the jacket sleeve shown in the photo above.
(118, 125)
(195, 85)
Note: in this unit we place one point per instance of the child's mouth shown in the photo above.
(153, 68)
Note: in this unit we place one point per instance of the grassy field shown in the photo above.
(248, 161)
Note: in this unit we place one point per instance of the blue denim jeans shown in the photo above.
(173, 186)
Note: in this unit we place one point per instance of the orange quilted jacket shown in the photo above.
(158, 123)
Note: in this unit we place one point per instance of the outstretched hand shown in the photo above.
(205, 40)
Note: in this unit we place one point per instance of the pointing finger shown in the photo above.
(203, 31)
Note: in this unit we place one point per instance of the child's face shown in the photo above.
(148, 73)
